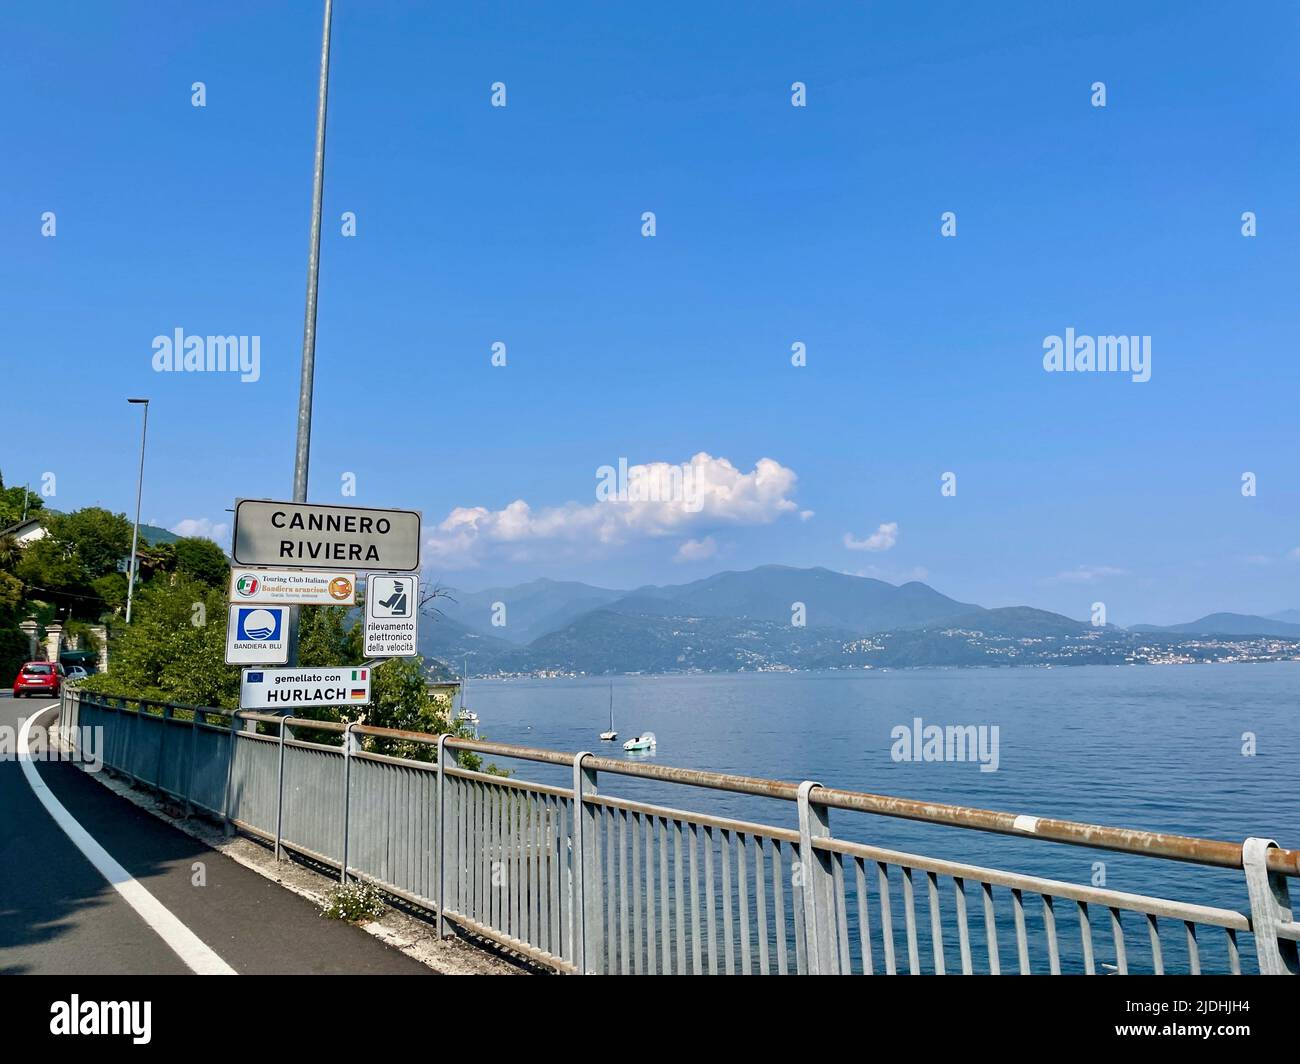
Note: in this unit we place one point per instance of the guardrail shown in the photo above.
(580, 880)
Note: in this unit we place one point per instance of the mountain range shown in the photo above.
(1230, 624)
(779, 617)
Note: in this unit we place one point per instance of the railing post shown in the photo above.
(348, 741)
(1270, 905)
(440, 842)
(60, 726)
(161, 756)
(69, 718)
(133, 743)
(227, 826)
(588, 940)
(194, 763)
(279, 791)
(818, 885)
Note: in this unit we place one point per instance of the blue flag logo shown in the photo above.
(258, 624)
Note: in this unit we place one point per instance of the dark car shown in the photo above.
(39, 678)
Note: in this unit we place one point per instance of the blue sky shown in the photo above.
(775, 224)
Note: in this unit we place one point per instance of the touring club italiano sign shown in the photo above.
(303, 535)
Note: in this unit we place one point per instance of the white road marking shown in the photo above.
(196, 954)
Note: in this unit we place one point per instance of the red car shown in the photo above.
(39, 678)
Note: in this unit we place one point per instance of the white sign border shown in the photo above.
(230, 633)
(256, 569)
(415, 613)
(334, 565)
(369, 682)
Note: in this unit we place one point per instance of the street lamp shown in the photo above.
(302, 451)
(139, 487)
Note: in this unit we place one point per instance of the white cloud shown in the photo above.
(660, 499)
(1086, 574)
(696, 550)
(882, 538)
(806, 515)
(1294, 554)
(204, 527)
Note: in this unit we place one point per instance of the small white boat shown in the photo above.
(644, 741)
(466, 716)
(611, 735)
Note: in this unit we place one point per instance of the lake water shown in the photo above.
(1158, 748)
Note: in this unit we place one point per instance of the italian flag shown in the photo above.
(359, 674)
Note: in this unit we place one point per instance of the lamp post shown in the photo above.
(139, 488)
(302, 452)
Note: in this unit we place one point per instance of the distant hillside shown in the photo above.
(1020, 621)
(458, 647)
(1227, 624)
(531, 609)
(152, 534)
(730, 622)
(831, 600)
(1289, 616)
(736, 621)
(610, 641)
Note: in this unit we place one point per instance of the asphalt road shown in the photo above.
(59, 915)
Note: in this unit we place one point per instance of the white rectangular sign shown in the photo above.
(293, 688)
(257, 634)
(293, 587)
(392, 607)
(303, 535)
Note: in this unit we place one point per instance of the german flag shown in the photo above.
(358, 692)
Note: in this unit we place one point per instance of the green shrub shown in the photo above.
(14, 649)
(355, 903)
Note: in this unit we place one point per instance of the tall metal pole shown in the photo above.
(302, 455)
(139, 488)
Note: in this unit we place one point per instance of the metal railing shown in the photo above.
(579, 880)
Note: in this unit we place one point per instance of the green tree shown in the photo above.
(325, 637)
(174, 648)
(152, 559)
(13, 652)
(174, 651)
(11, 596)
(203, 560)
(77, 550)
(10, 552)
(12, 503)
(111, 590)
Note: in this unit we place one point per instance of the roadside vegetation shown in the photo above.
(357, 903)
(174, 648)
